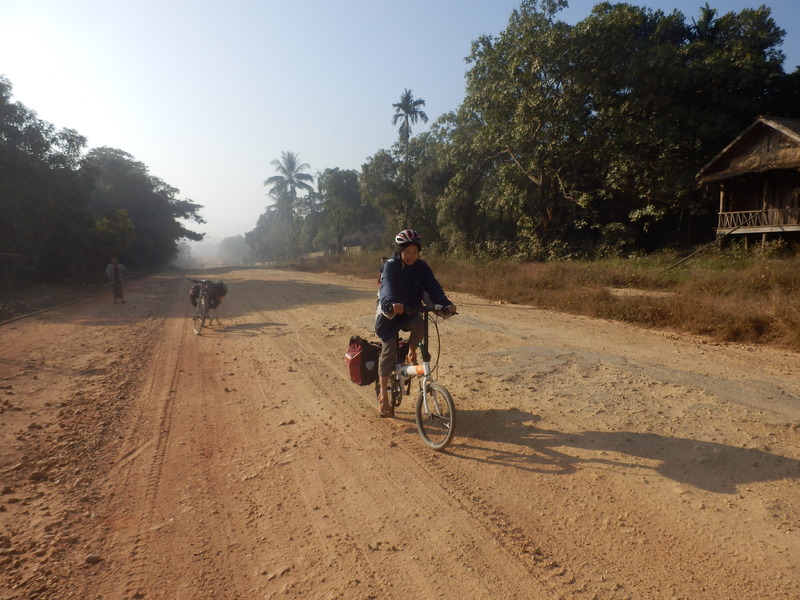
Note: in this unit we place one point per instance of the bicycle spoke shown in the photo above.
(199, 318)
(435, 415)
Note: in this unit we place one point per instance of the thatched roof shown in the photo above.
(755, 150)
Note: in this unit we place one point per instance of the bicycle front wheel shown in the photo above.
(436, 416)
(199, 318)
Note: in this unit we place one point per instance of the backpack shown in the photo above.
(216, 291)
(362, 360)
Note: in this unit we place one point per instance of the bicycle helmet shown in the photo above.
(407, 237)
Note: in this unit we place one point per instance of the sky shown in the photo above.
(207, 93)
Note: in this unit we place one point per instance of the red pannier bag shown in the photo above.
(362, 360)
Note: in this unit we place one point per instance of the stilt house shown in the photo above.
(758, 179)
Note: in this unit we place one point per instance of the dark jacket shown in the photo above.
(401, 284)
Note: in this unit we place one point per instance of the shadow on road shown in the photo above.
(245, 328)
(711, 466)
(292, 293)
(145, 298)
(251, 296)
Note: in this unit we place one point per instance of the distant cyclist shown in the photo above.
(116, 273)
(405, 279)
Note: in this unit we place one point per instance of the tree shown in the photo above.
(43, 198)
(153, 207)
(382, 188)
(341, 201)
(585, 139)
(407, 112)
(704, 27)
(235, 251)
(267, 239)
(310, 213)
(521, 119)
(289, 179)
(66, 213)
(115, 233)
(283, 191)
(688, 89)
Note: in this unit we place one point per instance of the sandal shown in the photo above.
(387, 410)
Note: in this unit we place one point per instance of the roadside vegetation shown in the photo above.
(565, 179)
(572, 142)
(66, 211)
(732, 295)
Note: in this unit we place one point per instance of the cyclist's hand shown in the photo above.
(398, 308)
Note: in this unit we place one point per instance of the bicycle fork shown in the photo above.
(406, 372)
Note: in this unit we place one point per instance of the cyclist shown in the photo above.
(405, 279)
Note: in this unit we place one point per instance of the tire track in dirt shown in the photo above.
(333, 540)
(173, 484)
(540, 564)
(149, 442)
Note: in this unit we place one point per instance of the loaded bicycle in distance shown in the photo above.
(206, 296)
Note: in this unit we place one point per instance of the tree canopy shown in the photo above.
(579, 140)
(585, 139)
(66, 212)
(571, 141)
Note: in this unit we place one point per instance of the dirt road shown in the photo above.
(592, 459)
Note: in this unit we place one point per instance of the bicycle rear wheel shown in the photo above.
(199, 318)
(436, 416)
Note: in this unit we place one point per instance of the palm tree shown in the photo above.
(407, 112)
(284, 188)
(706, 26)
(290, 177)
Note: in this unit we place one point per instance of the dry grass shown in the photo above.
(727, 297)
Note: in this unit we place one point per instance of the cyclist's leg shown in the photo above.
(386, 363)
(415, 330)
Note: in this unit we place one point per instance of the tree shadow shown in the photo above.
(245, 297)
(715, 467)
(253, 296)
(243, 329)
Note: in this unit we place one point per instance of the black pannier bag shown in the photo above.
(362, 360)
(216, 291)
(194, 294)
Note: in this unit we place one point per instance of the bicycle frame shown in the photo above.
(405, 372)
(435, 411)
(202, 308)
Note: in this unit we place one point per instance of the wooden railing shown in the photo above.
(759, 218)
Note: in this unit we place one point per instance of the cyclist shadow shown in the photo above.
(245, 329)
(511, 438)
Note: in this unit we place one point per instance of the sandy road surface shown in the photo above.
(592, 459)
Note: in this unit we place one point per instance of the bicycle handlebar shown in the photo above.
(411, 310)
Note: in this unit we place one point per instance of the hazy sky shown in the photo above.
(207, 94)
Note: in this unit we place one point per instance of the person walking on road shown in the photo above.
(115, 273)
